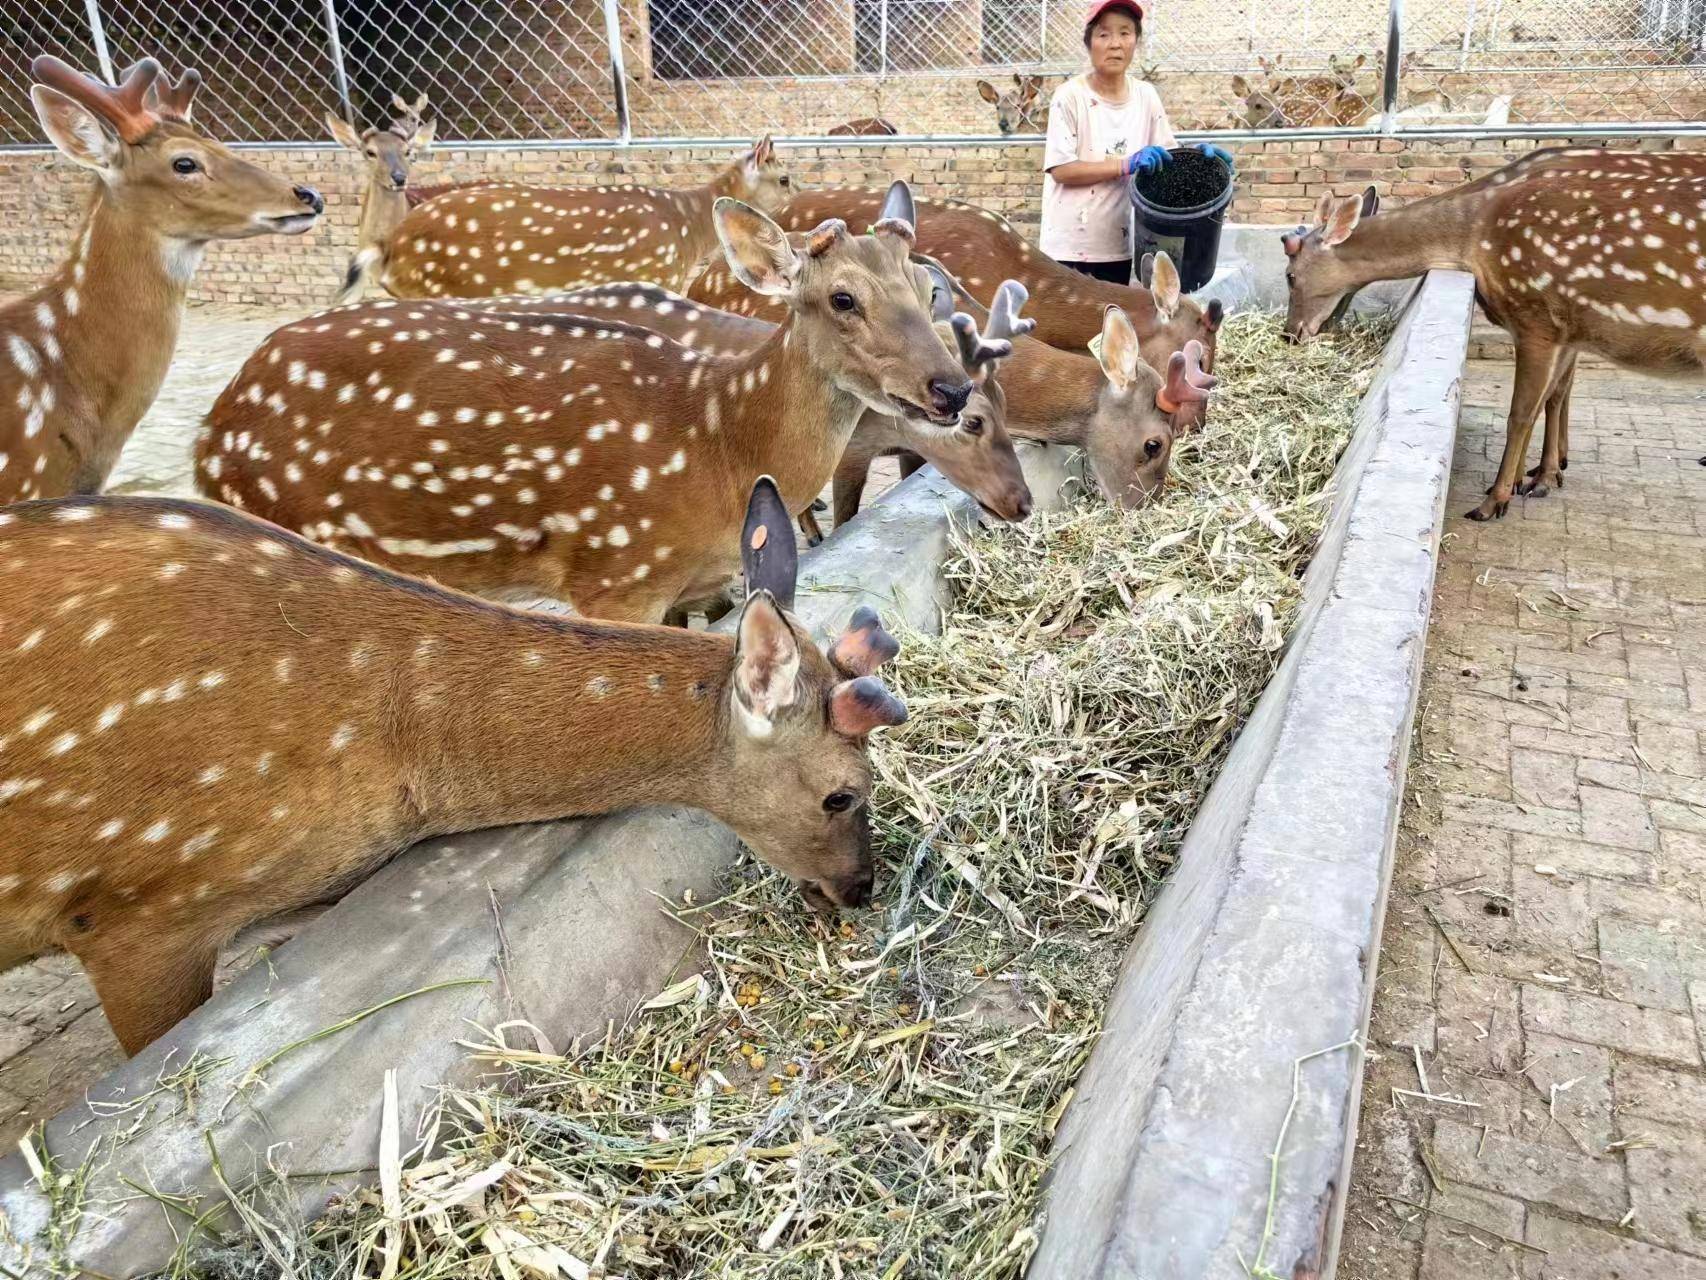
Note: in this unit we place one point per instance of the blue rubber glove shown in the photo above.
(1146, 161)
(1219, 153)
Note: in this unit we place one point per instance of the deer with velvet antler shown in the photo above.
(83, 356)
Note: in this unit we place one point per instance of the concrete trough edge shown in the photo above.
(1261, 948)
(585, 937)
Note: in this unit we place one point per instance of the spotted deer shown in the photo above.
(329, 713)
(388, 153)
(1280, 101)
(976, 454)
(84, 354)
(1018, 110)
(598, 463)
(502, 238)
(1112, 405)
(864, 127)
(1570, 252)
(982, 249)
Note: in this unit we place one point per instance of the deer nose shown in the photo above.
(311, 198)
(948, 397)
(855, 890)
(1022, 505)
(399, 179)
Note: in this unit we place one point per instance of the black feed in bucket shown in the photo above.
(1180, 208)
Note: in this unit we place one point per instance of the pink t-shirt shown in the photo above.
(1093, 224)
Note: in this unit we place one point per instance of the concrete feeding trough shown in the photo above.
(1283, 875)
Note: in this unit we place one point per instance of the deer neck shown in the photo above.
(120, 297)
(693, 210)
(1051, 394)
(1434, 234)
(779, 415)
(527, 718)
(382, 208)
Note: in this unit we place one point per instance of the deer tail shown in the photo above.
(360, 272)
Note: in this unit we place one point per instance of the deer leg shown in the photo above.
(1554, 450)
(148, 980)
(810, 527)
(1537, 358)
(850, 474)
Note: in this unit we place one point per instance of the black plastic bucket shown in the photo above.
(1190, 234)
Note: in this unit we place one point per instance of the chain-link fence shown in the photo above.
(604, 71)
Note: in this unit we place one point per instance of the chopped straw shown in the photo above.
(877, 1097)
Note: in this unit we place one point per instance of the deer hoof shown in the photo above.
(815, 541)
(1540, 483)
(1489, 510)
(818, 504)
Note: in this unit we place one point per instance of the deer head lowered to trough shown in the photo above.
(597, 462)
(1569, 252)
(976, 454)
(329, 714)
(982, 249)
(388, 154)
(82, 357)
(500, 238)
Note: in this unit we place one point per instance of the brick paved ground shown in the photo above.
(1544, 961)
(54, 1040)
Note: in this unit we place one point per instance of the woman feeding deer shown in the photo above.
(1104, 126)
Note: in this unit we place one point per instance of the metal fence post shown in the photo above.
(99, 34)
(338, 71)
(618, 70)
(1394, 51)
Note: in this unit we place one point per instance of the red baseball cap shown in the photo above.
(1099, 7)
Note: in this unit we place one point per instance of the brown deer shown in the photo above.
(981, 249)
(328, 714)
(976, 455)
(84, 355)
(598, 463)
(1285, 102)
(1569, 253)
(1017, 110)
(1111, 405)
(388, 152)
(864, 127)
(501, 238)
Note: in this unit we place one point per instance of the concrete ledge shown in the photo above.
(586, 938)
(1262, 947)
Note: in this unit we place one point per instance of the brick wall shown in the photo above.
(41, 196)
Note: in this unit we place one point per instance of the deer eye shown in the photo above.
(784, 180)
(838, 801)
(843, 301)
(185, 164)
(1151, 448)
(972, 426)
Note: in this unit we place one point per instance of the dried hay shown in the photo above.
(876, 1098)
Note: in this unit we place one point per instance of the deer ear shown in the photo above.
(864, 646)
(1164, 285)
(342, 132)
(987, 92)
(75, 130)
(1342, 221)
(767, 665)
(757, 249)
(425, 134)
(1241, 86)
(1119, 351)
(769, 557)
(1323, 208)
(898, 206)
(858, 706)
(1370, 202)
(1146, 269)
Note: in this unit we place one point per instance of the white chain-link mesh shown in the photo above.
(543, 70)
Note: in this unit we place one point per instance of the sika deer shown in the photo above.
(983, 249)
(388, 152)
(864, 127)
(501, 238)
(977, 454)
(601, 463)
(86, 352)
(1566, 257)
(328, 714)
(1016, 111)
